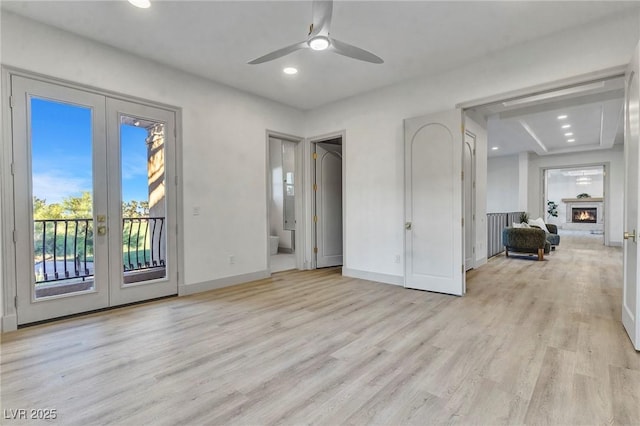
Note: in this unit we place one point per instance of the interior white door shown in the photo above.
(142, 206)
(60, 200)
(469, 198)
(328, 190)
(631, 296)
(434, 251)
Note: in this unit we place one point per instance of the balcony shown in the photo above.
(64, 258)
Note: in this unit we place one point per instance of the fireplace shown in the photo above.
(584, 215)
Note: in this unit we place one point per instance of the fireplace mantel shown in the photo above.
(582, 203)
(582, 200)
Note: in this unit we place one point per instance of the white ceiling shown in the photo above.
(216, 39)
(593, 111)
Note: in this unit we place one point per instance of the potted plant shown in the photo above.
(524, 217)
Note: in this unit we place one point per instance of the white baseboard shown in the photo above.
(223, 282)
(480, 262)
(373, 276)
(9, 323)
(615, 243)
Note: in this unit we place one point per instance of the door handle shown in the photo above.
(102, 230)
(407, 226)
(631, 236)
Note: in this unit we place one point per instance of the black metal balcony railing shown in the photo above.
(63, 248)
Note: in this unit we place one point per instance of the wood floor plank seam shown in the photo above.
(532, 343)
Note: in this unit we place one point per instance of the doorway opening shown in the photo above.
(571, 126)
(327, 177)
(284, 196)
(575, 199)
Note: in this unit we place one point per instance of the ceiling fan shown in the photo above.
(319, 39)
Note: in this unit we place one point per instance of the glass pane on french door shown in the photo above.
(144, 225)
(62, 203)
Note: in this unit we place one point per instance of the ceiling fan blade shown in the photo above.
(345, 49)
(280, 53)
(321, 17)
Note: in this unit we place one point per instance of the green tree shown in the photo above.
(78, 207)
(42, 210)
(135, 209)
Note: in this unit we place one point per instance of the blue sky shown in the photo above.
(61, 153)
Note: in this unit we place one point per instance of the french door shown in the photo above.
(95, 214)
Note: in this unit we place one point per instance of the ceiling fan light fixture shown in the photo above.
(319, 43)
(142, 4)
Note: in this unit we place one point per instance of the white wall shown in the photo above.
(224, 145)
(373, 125)
(223, 132)
(614, 207)
(502, 184)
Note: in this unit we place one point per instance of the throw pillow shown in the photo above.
(520, 225)
(539, 222)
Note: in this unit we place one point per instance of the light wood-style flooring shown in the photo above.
(531, 343)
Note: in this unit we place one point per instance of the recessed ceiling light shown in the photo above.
(562, 117)
(566, 126)
(494, 148)
(142, 4)
(571, 140)
(568, 134)
(319, 43)
(290, 70)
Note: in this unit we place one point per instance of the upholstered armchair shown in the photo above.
(525, 240)
(552, 236)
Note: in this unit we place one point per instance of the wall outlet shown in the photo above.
(196, 210)
(232, 259)
(397, 259)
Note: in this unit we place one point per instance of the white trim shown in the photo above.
(7, 220)
(311, 208)
(374, 276)
(605, 74)
(300, 240)
(224, 282)
(9, 323)
(481, 261)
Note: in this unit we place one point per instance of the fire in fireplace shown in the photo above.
(584, 214)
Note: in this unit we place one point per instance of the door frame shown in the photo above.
(299, 188)
(311, 199)
(7, 201)
(472, 225)
(605, 192)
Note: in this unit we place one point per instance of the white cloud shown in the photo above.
(134, 165)
(53, 186)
